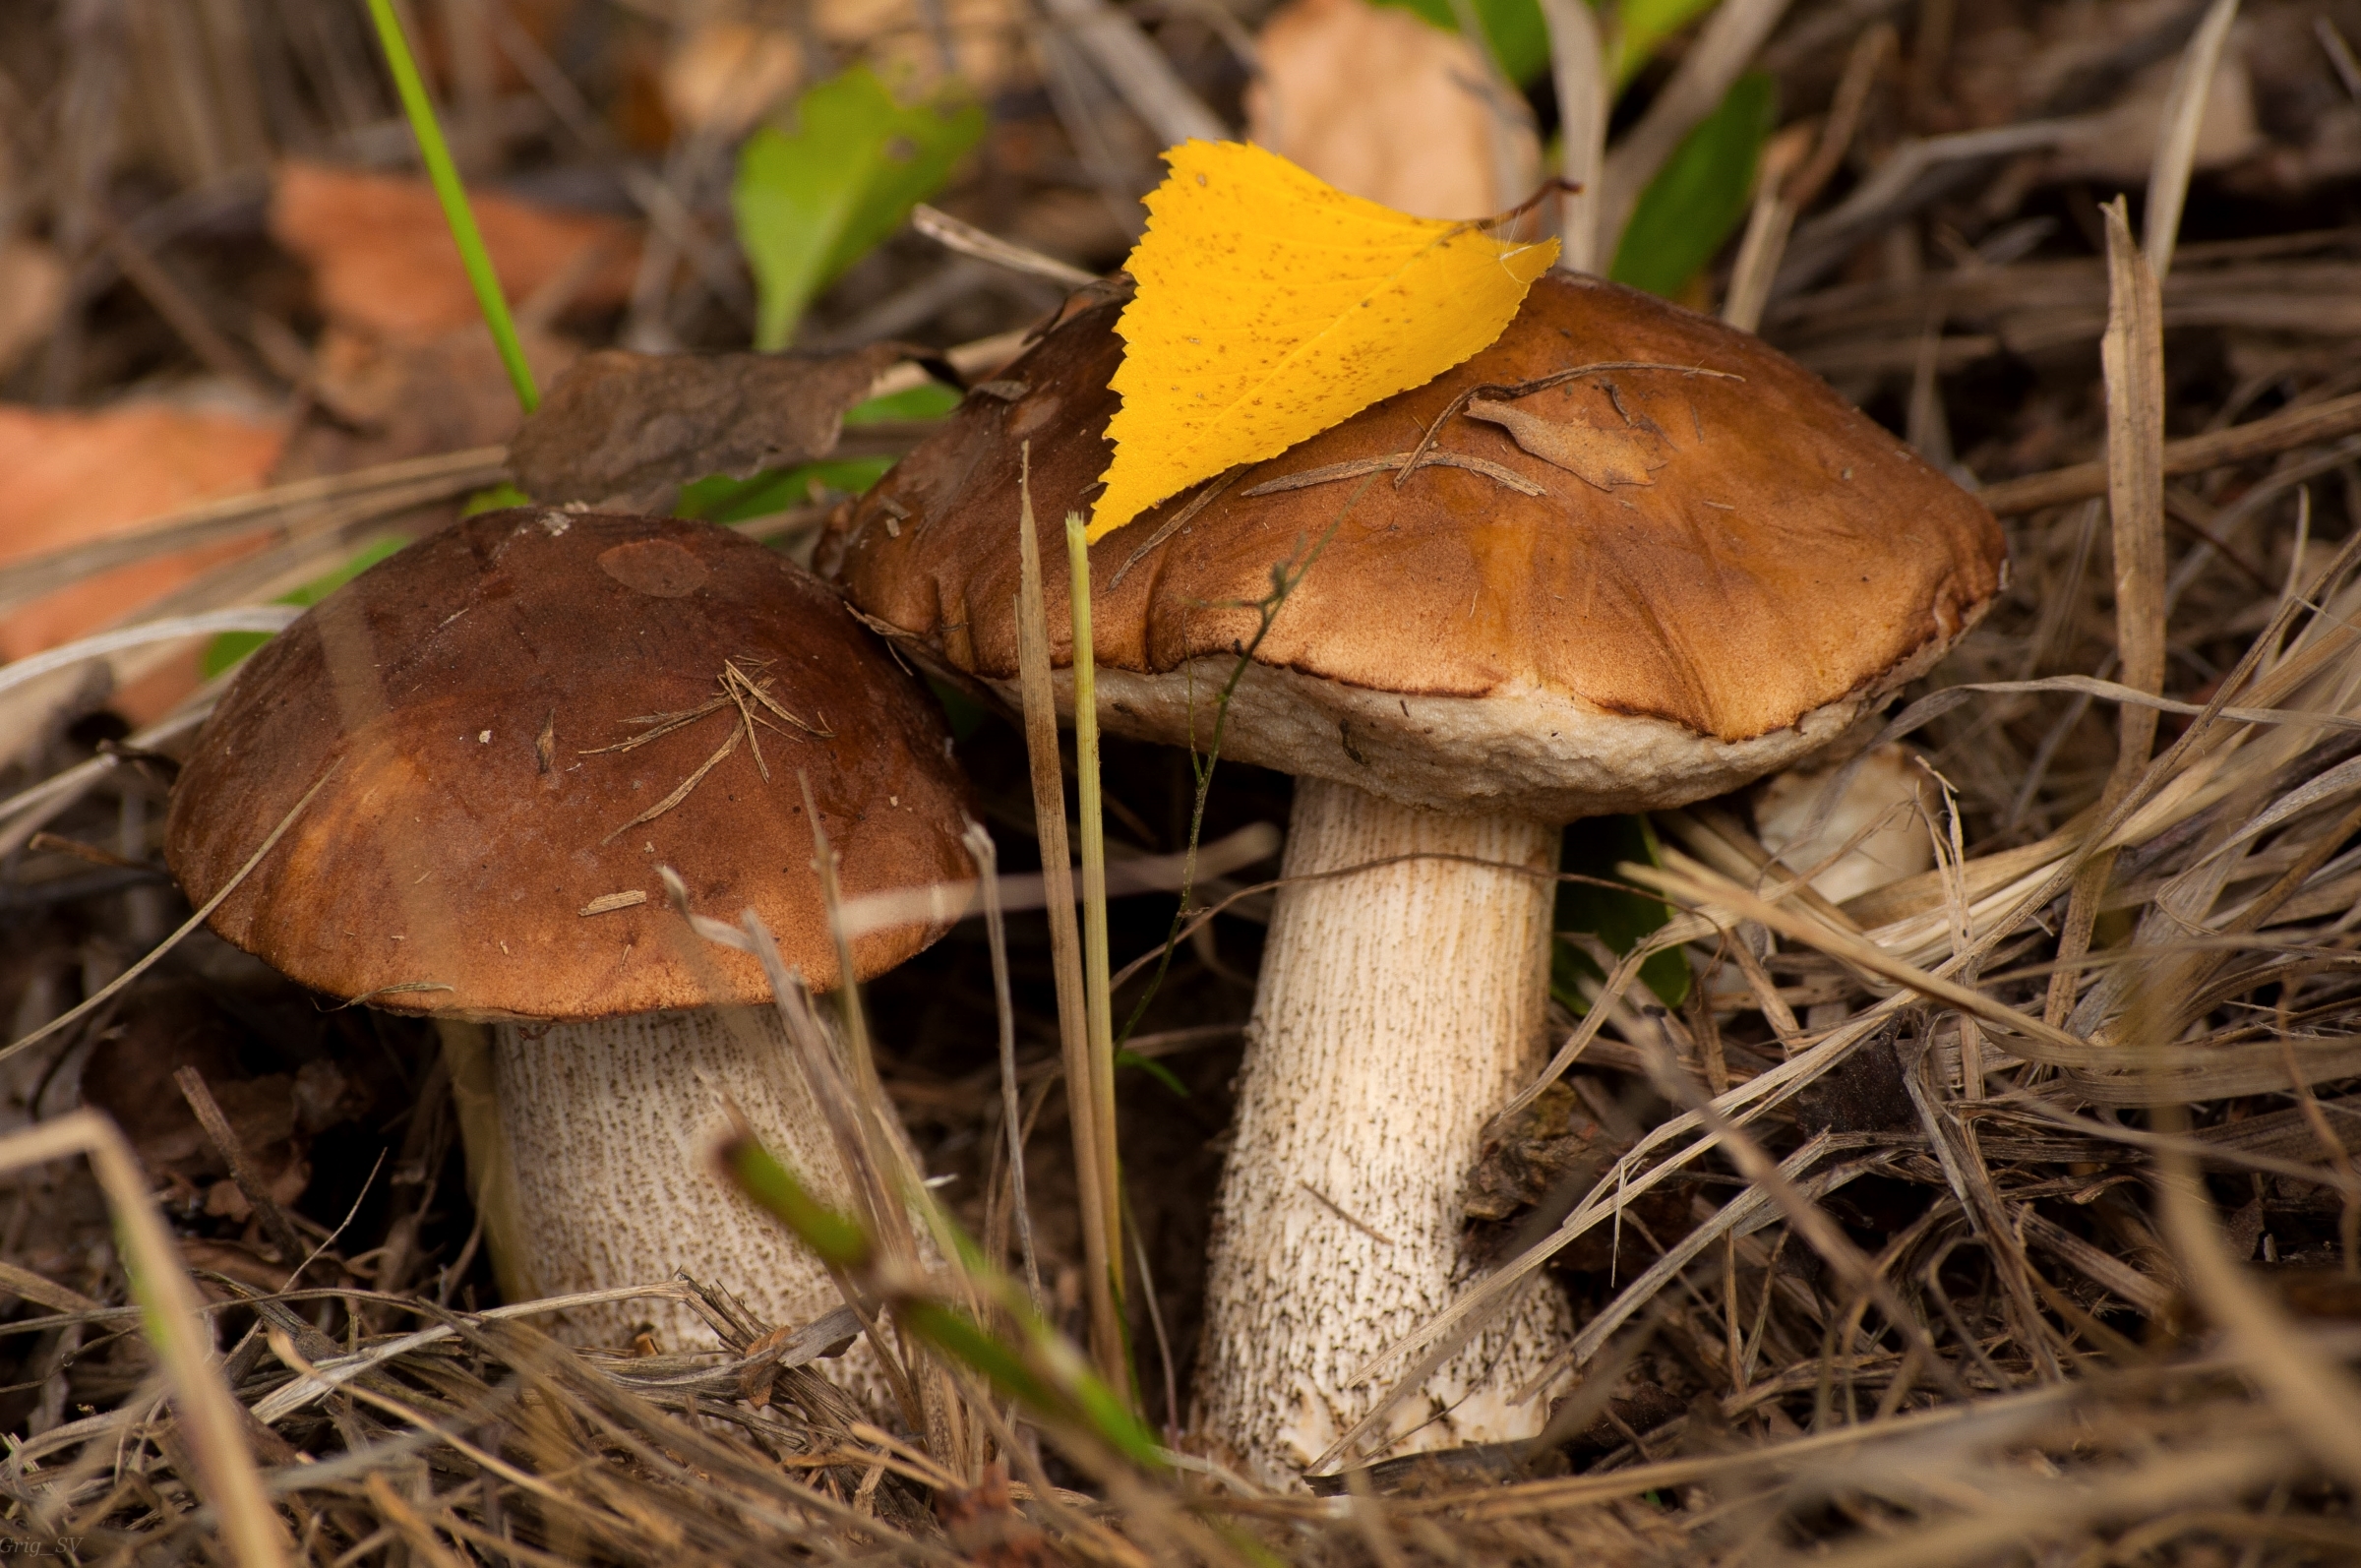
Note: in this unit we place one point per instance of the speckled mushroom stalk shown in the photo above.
(608, 1129)
(1398, 1008)
(1633, 585)
(520, 721)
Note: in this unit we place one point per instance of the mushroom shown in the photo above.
(1642, 559)
(527, 715)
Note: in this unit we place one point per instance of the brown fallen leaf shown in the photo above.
(33, 286)
(1520, 1165)
(724, 75)
(2120, 142)
(627, 429)
(904, 40)
(382, 258)
(1384, 106)
(985, 1526)
(1599, 456)
(384, 398)
(1889, 792)
(74, 477)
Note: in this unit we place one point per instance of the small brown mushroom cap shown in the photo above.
(469, 856)
(1704, 575)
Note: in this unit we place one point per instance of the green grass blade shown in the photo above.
(1098, 1003)
(444, 175)
(1074, 1399)
(1641, 27)
(837, 1240)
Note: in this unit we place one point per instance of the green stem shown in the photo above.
(444, 175)
(1098, 1003)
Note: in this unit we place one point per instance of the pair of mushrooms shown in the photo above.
(1609, 589)
(1567, 591)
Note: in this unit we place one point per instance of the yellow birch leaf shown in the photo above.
(1272, 306)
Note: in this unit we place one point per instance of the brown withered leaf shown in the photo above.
(1601, 457)
(1864, 1093)
(625, 429)
(982, 1522)
(1446, 1469)
(382, 258)
(1383, 104)
(1532, 1172)
(1520, 1163)
(384, 398)
(76, 475)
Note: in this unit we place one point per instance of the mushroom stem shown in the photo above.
(611, 1129)
(1399, 1008)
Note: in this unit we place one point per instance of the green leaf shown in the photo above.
(1698, 197)
(231, 647)
(1127, 1057)
(1595, 848)
(929, 399)
(498, 497)
(812, 203)
(719, 498)
(838, 1240)
(1515, 28)
(1641, 25)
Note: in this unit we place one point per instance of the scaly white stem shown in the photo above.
(611, 1127)
(1399, 1008)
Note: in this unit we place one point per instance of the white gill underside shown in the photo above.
(611, 1130)
(1398, 1009)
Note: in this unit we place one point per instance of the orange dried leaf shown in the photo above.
(75, 477)
(1272, 306)
(1599, 456)
(1379, 102)
(381, 256)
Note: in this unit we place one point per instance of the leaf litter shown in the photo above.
(2130, 1395)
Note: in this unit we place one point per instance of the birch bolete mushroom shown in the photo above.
(520, 719)
(1624, 558)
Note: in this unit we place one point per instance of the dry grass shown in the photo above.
(2008, 1213)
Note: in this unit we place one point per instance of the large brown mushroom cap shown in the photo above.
(464, 859)
(1717, 574)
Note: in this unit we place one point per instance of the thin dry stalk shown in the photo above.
(2133, 355)
(1095, 1198)
(1781, 199)
(2184, 116)
(987, 859)
(1578, 70)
